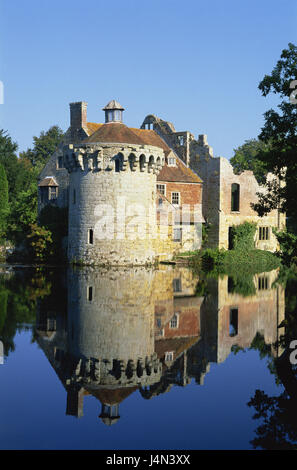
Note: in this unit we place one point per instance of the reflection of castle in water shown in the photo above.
(148, 329)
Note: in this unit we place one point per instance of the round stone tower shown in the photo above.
(112, 191)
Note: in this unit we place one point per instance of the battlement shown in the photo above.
(113, 157)
(114, 372)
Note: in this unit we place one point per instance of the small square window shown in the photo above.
(174, 321)
(177, 234)
(177, 285)
(263, 233)
(161, 188)
(171, 161)
(175, 198)
(53, 192)
(169, 356)
(263, 283)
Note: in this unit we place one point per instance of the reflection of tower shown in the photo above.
(111, 337)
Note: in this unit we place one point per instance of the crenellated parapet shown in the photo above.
(113, 372)
(113, 157)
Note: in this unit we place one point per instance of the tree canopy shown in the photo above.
(279, 134)
(22, 177)
(246, 157)
(3, 202)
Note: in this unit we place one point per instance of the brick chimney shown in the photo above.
(78, 115)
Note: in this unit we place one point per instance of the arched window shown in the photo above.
(131, 162)
(118, 159)
(235, 196)
(151, 163)
(142, 162)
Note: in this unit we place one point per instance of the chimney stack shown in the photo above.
(78, 115)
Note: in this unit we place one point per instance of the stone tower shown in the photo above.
(112, 193)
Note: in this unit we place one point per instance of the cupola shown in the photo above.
(113, 112)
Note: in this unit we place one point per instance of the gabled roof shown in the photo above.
(179, 174)
(48, 181)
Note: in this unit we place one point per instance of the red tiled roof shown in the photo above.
(115, 132)
(92, 127)
(177, 345)
(112, 396)
(120, 133)
(179, 174)
(151, 137)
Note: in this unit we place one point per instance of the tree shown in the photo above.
(23, 194)
(9, 160)
(246, 157)
(4, 208)
(279, 133)
(23, 213)
(44, 146)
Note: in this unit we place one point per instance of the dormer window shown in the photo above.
(113, 112)
(48, 190)
(171, 161)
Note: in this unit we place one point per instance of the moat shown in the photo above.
(140, 359)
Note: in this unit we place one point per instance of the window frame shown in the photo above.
(174, 321)
(264, 233)
(164, 188)
(235, 202)
(179, 199)
(174, 237)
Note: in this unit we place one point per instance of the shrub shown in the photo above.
(242, 236)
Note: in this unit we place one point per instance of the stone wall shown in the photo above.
(125, 200)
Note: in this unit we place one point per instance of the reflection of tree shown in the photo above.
(18, 302)
(278, 429)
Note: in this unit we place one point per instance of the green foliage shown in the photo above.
(4, 208)
(22, 175)
(280, 132)
(23, 213)
(18, 302)
(3, 306)
(44, 146)
(242, 236)
(242, 285)
(205, 233)
(213, 259)
(246, 157)
(288, 246)
(55, 219)
(40, 243)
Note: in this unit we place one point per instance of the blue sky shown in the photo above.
(192, 62)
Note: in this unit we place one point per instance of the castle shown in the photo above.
(111, 333)
(137, 196)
